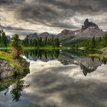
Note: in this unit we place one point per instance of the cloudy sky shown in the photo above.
(29, 16)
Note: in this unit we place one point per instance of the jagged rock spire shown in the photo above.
(88, 24)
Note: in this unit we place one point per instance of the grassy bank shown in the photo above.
(5, 48)
(10, 59)
(48, 47)
(104, 53)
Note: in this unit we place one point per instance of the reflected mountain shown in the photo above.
(67, 57)
(88, 66)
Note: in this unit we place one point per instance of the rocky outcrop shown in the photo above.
(90, 33)
(88, 24)
(8, 71)
(32, 36)
(42, 35)
(45, 34)
(66, 32)
(88, 30)
(65, 35)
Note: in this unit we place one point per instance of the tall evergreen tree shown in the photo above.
(93, 42)
(46, 41)
(16, 48)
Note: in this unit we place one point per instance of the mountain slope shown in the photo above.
(88, 30)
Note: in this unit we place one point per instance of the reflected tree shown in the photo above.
(39, 53)
(16, 90)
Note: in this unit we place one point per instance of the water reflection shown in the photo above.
(60, 86)
(66, 57)
(57, 82)
(16, 90)
(42, 54)
(17, 85)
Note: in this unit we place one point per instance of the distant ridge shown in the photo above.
(88, 30)
(42, 35)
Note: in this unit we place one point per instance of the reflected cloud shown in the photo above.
(57, 85)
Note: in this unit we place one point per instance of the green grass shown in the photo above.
(5, 48)
(104, 53)
(48, 48)
(9, 58)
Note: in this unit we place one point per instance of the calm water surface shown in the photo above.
(57, 79)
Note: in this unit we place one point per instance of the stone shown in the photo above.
(25, 64)
(3, 64)
(6, 71)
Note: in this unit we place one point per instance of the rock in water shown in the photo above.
(8, 71)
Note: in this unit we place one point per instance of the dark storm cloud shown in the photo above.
(20, 31)
(2, 2)
(13, 28)
(49, 12)
(52, 13)
(64, 25)
(77, 5)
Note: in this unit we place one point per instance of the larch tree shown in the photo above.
(16, 48)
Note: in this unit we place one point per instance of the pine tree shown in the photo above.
(27, 42)
(40, 41)
(31, 42)
(93, 42)
(16, 48)
(46, 41)
(4, 39)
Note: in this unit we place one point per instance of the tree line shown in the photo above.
(100, 42)
(41, 42)
(42, 53)
(97, 43)
(4, 42)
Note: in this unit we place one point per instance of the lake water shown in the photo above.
(57, 79)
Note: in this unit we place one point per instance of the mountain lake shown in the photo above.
(57, 78)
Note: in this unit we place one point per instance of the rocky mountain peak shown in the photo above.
(88, 24)
(86, 21)
(65, 32)
(32, 36)
(45, 34)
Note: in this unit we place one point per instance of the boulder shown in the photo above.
(8, 71)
